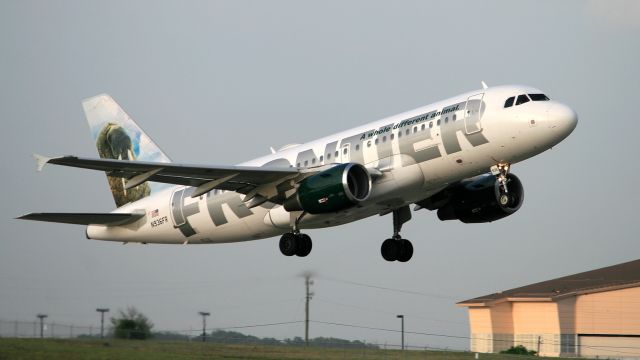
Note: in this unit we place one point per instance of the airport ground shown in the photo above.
(52, 349)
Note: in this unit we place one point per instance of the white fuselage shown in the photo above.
(417, 153)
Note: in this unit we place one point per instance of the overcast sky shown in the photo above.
(221, 82)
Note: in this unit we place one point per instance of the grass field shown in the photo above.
(130, 349)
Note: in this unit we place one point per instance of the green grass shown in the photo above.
(131, 349)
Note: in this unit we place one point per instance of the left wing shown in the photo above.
(263, 183)
(86, 218)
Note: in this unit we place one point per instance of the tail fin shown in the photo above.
(118, 137)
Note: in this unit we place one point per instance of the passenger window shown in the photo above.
(509, 102)
(407, 132)
(306, 163)
(538, 97)
(298, 164)
(422, 127)
(430, 124)
(321, 158)
(384, 138)
(391, 136)
(369, 143)
(454, 118)
(313, 161)
(337, 153)
(328, 156)
(400, 133)
(415, 129)
(357, 147)
(376, 141)
(438, 122)
(345, 151)
(446, 120)
(522, 99)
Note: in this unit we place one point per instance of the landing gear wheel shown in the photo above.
(406, 250)
(303, 246)
(288, 244)
(505, 199)
(390, 249)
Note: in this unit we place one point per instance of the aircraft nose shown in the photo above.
(562, 118)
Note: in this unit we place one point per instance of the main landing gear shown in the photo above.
(397, 248)
(296, 243)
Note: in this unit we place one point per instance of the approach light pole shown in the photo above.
(401, 317)
(102, 311)
(204, 324)
(41, 317)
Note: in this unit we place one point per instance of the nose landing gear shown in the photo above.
(501, 171)
(397, 248)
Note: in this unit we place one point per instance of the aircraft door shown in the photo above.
(472, 111)
(345, 151)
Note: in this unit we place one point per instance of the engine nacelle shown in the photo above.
(478, 200)
(334, 189)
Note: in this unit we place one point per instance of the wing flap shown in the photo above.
(85, 218)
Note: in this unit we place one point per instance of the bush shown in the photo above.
(131, 324)
(518, 350)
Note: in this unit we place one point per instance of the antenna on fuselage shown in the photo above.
(484, 85)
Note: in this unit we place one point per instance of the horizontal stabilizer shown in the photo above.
(86, 218)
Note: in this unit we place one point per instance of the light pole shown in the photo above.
(102, 311)
(204, 324)
(41, 317)
(401, 317)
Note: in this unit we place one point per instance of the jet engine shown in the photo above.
(334, 189)
(479, 200)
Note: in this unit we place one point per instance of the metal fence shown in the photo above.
(32, 329)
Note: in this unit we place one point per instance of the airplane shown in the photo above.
(453, 157)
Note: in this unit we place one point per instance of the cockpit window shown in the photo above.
(509, 102)
(522, 99)
(538, 97)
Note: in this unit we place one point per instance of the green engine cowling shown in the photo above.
(331, 190)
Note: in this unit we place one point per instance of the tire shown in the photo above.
(304, 245)
(288, 244)
(406, 250)
(390, 249)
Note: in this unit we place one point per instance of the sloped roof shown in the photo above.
(611, 277)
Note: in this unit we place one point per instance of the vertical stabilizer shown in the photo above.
(118, 137)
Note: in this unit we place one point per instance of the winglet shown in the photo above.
(41, 161)
(484, 85)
